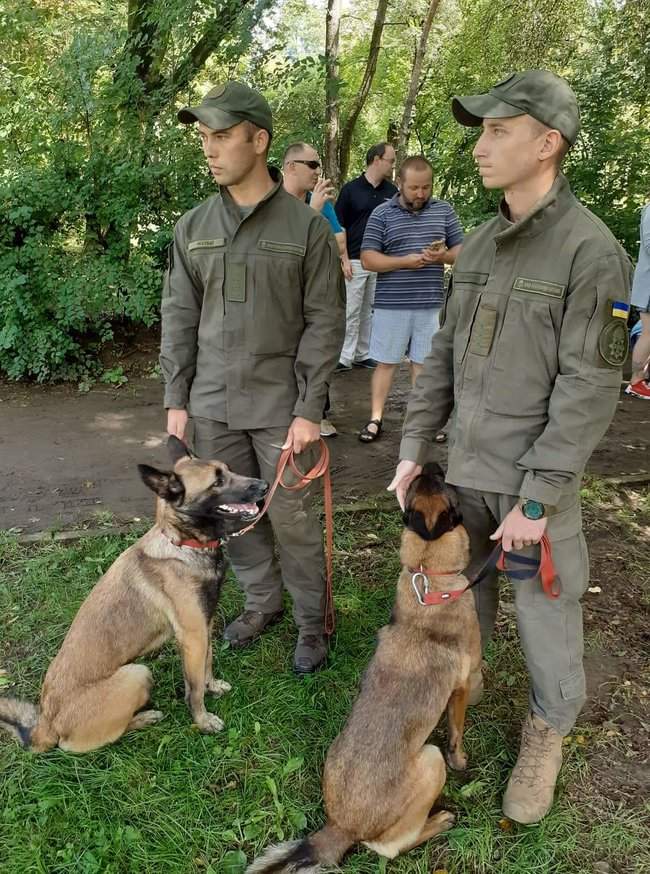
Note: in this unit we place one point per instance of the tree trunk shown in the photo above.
(414, 83)
(359, 101)
(332, 28)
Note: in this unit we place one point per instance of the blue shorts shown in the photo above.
(396, 333)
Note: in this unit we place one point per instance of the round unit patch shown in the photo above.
(215, 92)
(613, 342)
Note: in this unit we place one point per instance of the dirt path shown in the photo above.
(69, 458)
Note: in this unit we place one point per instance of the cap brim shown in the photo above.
(215, 119)
(471, 111)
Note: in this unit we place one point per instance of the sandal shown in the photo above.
(367, 436)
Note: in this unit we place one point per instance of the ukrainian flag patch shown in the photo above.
(620, 309)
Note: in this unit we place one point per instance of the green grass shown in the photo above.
(168, 799)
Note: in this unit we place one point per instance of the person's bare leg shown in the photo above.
(641, 351)
(382, 379)
(416, 370)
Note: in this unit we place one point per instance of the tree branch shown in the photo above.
(364, 90)
(416, 75)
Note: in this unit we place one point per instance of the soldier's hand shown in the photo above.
(177, 422)
(301, 434)
(405, 473)
(517, 532)
(321, 193)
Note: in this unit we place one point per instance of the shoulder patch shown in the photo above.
(614, 342)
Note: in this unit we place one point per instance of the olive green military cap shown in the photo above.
(539, 93)
(227, 105)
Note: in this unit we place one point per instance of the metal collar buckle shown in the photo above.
(425, 587)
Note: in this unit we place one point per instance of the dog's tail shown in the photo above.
(20, 718)
(323, 848)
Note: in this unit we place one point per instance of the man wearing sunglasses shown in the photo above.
(301, 169)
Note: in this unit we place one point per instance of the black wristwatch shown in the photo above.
(532, 509)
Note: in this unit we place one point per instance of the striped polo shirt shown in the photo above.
(394, 230)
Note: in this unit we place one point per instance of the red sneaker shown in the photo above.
(640, 389)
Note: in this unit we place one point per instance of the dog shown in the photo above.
(166, 584)
(381, 777)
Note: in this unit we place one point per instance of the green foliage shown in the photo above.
(96, 168)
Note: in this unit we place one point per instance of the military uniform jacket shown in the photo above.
(253, 312)
(530, 352)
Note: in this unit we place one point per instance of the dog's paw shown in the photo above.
(217, 687)
(151, 717)
(210, 724)
(445, 820)
(144, 719)
(457, 761)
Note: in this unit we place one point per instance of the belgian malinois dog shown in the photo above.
(167, 584)
(381, 777)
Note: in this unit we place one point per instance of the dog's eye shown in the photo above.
(218, 480)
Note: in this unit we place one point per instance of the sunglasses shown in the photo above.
(313, 165)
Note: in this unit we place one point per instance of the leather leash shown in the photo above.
(545, 568)
(320, 469)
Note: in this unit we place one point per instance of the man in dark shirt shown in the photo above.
(358, 198)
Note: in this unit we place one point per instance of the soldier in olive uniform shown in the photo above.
(529, 357)
(253, 319)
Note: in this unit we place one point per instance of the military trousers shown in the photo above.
(291, 518)
(550, 630)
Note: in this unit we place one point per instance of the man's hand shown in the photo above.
(434, 256)
(346, 267)
(405, 473)
(516, 531)
(321, 193)
(301, 434)
(414, 261)
(177, 422)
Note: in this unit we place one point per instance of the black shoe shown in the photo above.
(368, 363)
(342, 368)
(248, 626)
(310, 654)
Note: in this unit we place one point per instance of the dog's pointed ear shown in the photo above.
(177, 449)
(164, 483)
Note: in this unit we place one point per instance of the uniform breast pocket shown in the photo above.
(208, 261)
(277, 322)
(525, 361)
(467, 289)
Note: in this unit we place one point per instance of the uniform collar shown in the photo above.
(544, 214)
(233, 208)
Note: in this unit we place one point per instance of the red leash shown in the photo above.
(545, 568)
(320, 469)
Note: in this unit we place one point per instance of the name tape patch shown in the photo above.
(206, 244)
(539, 286)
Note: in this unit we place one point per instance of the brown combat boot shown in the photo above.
(248, 626)
(529, 795)
(310, 654)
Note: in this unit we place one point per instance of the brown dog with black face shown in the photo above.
(381, 777)
(166, 585)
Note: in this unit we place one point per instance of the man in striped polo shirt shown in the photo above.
(407, 241)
